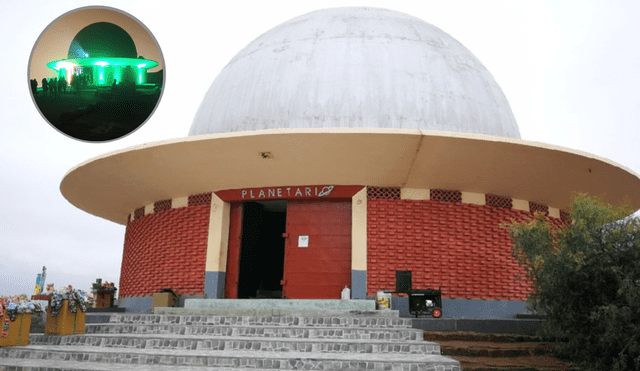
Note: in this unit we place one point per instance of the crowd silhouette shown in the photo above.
(50, 86)
(59, 85)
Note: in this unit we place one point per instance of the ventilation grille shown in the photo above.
(162, 206)
(445, 195)
(383, 193)
(533, 207)
(201, 199)
(499, 201)
(139, 213)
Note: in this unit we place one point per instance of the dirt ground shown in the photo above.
(95, 115)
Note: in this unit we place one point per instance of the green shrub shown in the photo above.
(586, 280)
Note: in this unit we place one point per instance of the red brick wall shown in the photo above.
(166, 249)
(459, 247)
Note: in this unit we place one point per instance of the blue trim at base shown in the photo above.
(531, 327)
(478, 308)
(214, 284)
(469, 308)
(358, 284)
(138, 304)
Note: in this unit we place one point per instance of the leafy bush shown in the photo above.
(586, 280)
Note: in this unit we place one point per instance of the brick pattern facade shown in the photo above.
(166, 249)
(447, 244)
(458, 247)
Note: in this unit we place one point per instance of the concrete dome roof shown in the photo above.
(355, 68)
(102, 40)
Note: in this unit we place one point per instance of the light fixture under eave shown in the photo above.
(65, 65)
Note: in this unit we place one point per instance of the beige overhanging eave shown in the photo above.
(113, 185)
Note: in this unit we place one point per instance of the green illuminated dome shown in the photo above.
(102, 40)
(105, 54)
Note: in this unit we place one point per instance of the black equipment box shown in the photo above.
(425, 302)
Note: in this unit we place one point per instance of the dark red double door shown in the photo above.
(317, 251)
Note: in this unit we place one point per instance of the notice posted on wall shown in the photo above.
(303, 241)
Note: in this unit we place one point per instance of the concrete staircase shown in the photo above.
(351, 341)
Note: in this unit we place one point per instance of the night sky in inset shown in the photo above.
(55, 41)
(102, 40)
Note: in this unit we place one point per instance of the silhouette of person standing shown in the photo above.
(45, 86)
(34, 87)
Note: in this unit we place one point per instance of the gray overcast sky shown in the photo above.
(568, 68)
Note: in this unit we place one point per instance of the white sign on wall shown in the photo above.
(303, 241)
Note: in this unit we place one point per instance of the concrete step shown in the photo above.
(266, 312)
(10, 364)
(234, 358)
(187, 342)
(325, 321)
(259, 331)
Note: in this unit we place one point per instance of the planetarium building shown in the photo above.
(336, 149)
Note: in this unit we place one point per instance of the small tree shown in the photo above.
(586, 280)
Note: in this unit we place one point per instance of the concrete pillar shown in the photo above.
(359, 245)
(217, 247)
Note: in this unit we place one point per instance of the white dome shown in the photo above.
(355, 67)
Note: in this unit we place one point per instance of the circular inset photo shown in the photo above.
(96, 74)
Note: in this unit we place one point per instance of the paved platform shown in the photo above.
(267, 312)
(274, 307)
